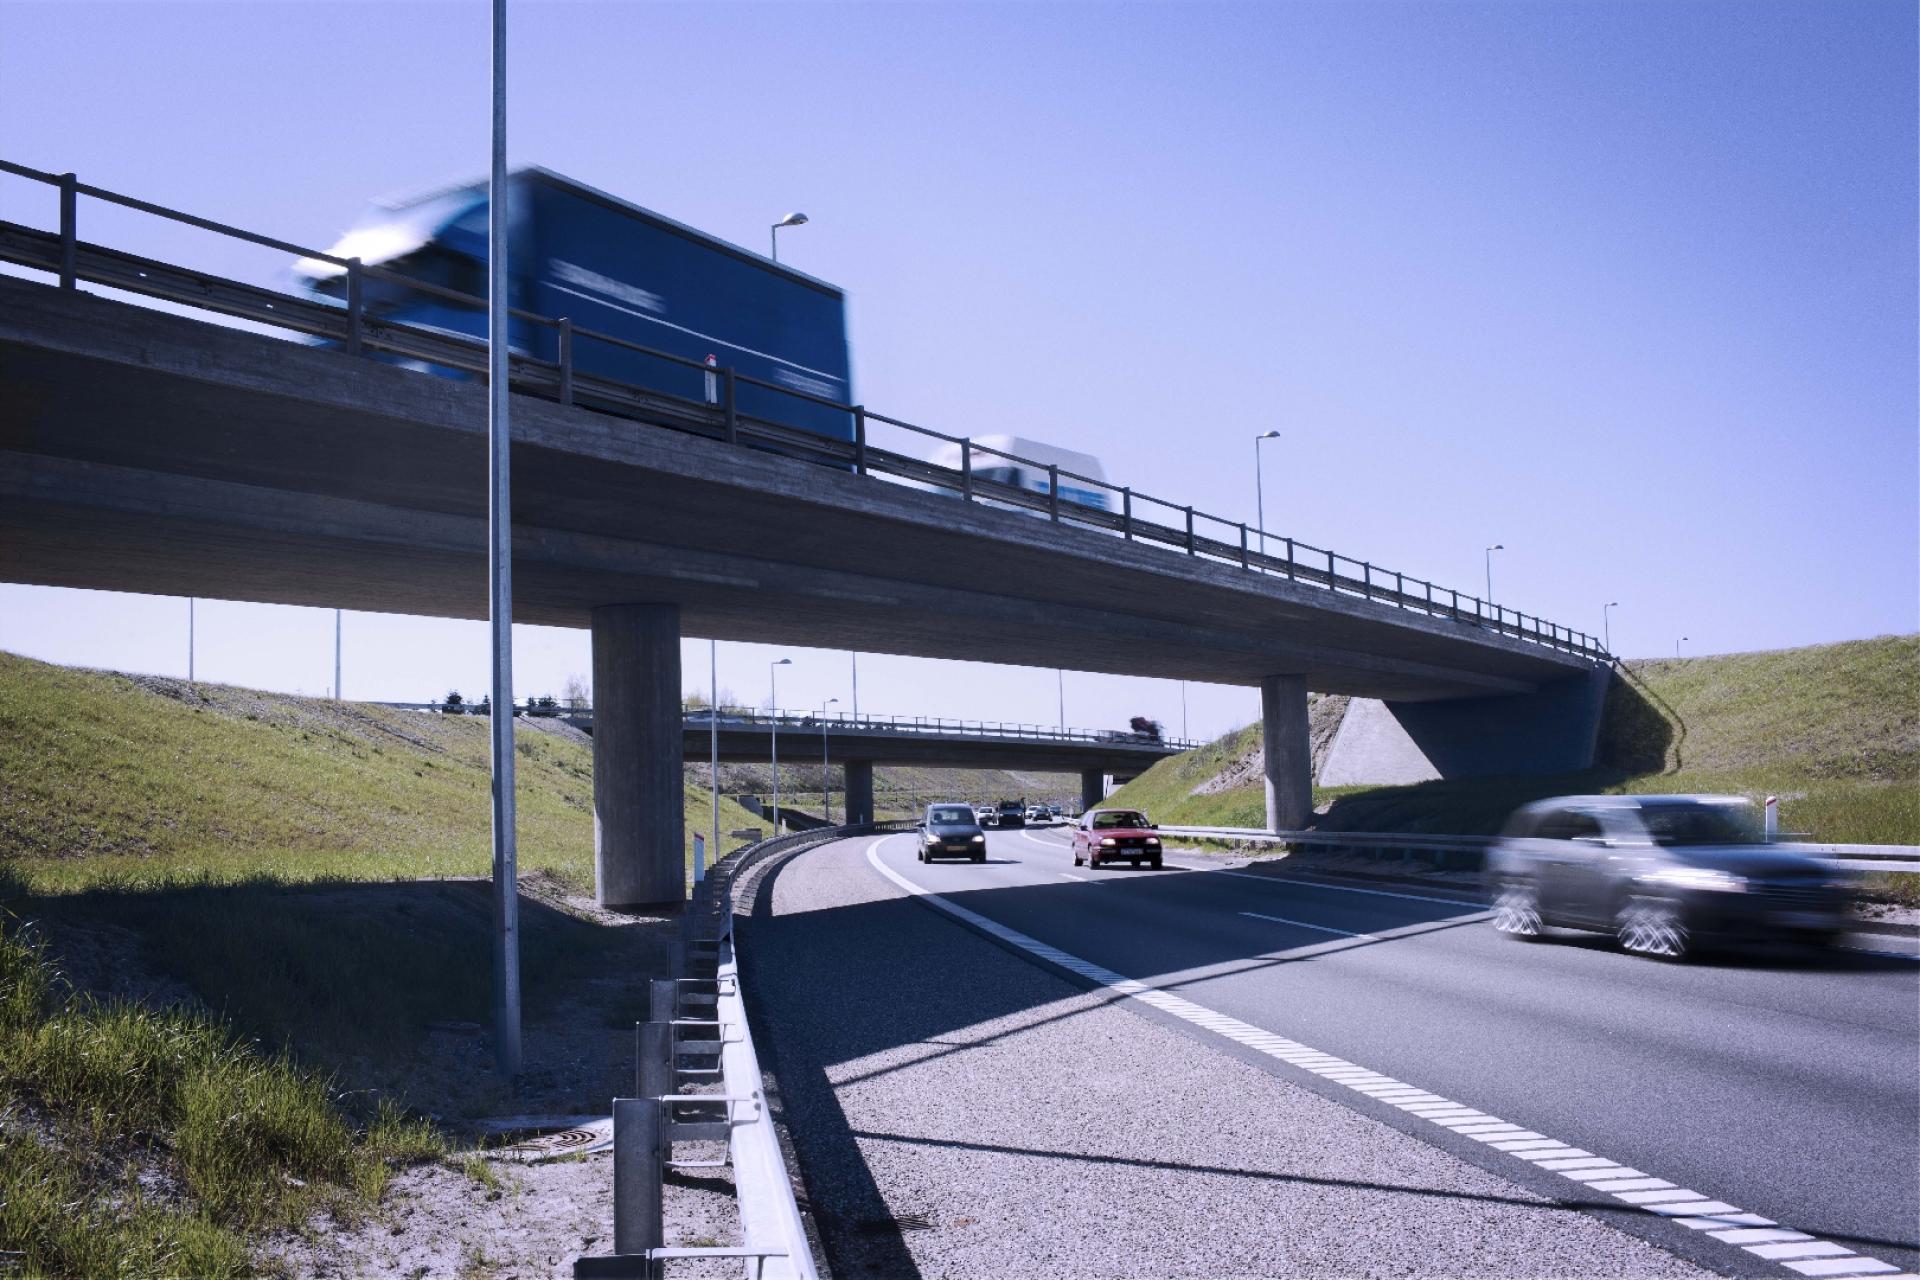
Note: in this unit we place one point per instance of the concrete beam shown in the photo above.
(859, 791)
(639, 798)
(1288, 750)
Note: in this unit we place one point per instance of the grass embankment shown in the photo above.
(142, 1142)
(109, 781)
(1833, 730)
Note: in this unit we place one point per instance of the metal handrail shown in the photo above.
(350, 323)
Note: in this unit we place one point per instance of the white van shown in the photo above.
(1082, 478)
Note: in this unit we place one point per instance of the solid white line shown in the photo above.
(1277, 882)
(1068, 875)
(1676, 1204)
(1302, 924)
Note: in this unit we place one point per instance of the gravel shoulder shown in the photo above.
(959, 1111)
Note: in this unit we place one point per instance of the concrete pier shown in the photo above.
(1093, 788)
(859, 791)
(638, 793)
(1289, 752)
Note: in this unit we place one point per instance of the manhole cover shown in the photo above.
(578, 1139)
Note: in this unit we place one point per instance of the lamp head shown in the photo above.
(1268, 435)
(781, 662)
(1498, 546)
(792, 220)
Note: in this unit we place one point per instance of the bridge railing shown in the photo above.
(807, 721)
(553, 372)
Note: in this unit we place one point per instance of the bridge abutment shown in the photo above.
(859, 791)
(1093, 788)
(1288, 750)
(638, 790)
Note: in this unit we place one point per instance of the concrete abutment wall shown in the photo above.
(1288, 750)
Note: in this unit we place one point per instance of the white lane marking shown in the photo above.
(1279, 882)
(1302, 924)
(1688, 1208)
(1068, 875)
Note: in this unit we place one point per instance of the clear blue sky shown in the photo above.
(1630, 288)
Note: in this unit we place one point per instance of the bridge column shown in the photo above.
(1093, 788)
(638, 793)
(1289, 752)
(859, 791)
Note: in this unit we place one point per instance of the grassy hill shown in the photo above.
(143, 782)
(1833, 730)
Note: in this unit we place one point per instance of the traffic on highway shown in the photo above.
(1044, 1068)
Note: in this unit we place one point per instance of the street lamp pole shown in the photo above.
(1676, 647)
(773, 699)
(1183, 709)
(826, 791)
(1498, 546)
(1606, 625)
(1260, 489)
(791, 220)
(713, 740)
(190, 640)
(506, 898)
(336, 655)
(1061, 676)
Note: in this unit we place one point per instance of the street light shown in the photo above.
(1260, 489)
(773, 697)
(826, 793)
(1061, 677)
(1498, 546)
(1606, 625)
(336, 655)
(791, 220)
(1676, 647)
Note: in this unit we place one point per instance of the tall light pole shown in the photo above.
(506, 897)
(773, 697)
(1260, 488)
(1606, 625)
(1061, 677)
(1676, 647)
(1498, 546)
(856, 684)
(826, 792)
(791, 220)
(190, 640)
(336, 655)
(1183, 709)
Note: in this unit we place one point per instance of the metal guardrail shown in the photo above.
(750, 718)
(1848, 857)
(360, 330)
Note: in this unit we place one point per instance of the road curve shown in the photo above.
(962, 1107)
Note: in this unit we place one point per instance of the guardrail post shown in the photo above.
(730, 410)
(1399, 589)
(1243, 544)
(636, 1175)
(966, 469)
(1366, 580)
(1053, 492)
(1126, 513)
(1289, 559)
(1332, 574)
(1190, 531)
(69, 230)
(354, 308)
(566, 360)
(860, 439)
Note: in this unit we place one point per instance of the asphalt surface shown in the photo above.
(961, 1106)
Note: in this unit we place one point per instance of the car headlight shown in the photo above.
(931, 838)
(1153, 839)
(1106, 840)
(979, 839)
(1700, 878)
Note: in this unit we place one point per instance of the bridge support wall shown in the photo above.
(1093, 788)
(1288, 750)
(638, 795)
(859, 791)
(1554, 729)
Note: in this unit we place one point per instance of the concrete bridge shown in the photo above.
(149, 452)
(858, 743)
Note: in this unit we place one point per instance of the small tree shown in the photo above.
(576, 693)
(454, 704)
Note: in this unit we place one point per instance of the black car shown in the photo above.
(1664, 874)
(951, 831)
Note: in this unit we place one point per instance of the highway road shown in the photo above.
(1027, 1068)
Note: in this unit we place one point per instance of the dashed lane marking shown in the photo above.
(1068, 875)
(1302, 924)
(1806, 1254)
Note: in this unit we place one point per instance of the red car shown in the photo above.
(1114, 835)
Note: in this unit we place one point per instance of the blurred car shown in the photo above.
(1665, 875)
(1011, 813)
(1037, 813)
(951, 831)
(1115, 835)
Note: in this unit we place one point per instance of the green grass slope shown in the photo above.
(1833, 730)
(108, 780)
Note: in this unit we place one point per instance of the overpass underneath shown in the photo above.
(149, 452)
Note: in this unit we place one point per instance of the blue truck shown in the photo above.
(614, 268)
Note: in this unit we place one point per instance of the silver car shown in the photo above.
(1666, 875)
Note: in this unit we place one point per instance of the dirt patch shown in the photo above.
(1324, 714)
